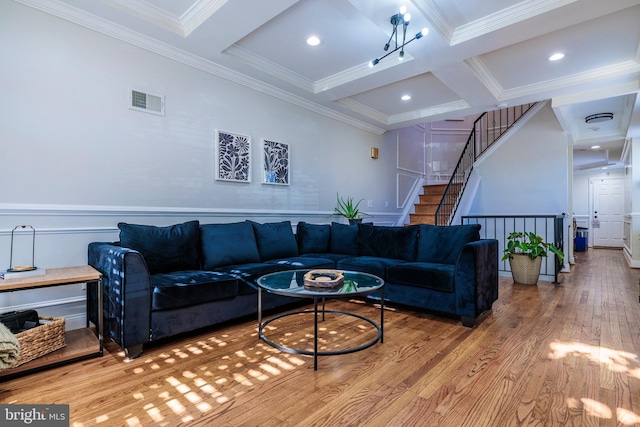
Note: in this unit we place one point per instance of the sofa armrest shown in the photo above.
(476, 279)
(127, 293)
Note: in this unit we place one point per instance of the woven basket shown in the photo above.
(41, 340)
(524, 269)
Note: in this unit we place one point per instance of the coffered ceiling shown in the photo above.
(477, 55)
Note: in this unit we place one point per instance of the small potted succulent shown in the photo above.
(349, 209)
(525, 252)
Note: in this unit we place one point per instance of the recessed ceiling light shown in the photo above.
(313, 41)
(556, 56)
(595, 147)
(406, 97)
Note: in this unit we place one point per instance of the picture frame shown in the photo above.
(276, 163)
(233, 157)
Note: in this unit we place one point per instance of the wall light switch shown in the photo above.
(369, 203)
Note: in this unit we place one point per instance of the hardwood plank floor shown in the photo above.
(547, 355)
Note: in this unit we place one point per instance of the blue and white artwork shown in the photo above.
(233, 157)
(276, 163)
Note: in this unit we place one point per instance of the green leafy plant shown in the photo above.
(348, 208)
(529, 244)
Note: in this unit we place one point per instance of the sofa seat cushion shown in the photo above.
(388, 242)
(190, 287)
(164, 249)
(304, 262)
(438, 277)
(443, 243)
(228, 244)
(368, 264)
(248, 274)
(275, 240)
(313, 238)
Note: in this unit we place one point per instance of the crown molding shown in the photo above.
(150, 13)
(199, 12)
(485, 76)
(182, 25)
(319, 86)
(92, 22)
(270, 67)
(359, 71)
(434, 15)
(356, 106)
(504, 18)
(423, 113)
(428, 112)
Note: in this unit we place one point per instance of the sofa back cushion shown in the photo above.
(388, 242)
(164, 249)
(313, 238)
(228, 244)
(275, 240)
(344, 239)
(443, 244)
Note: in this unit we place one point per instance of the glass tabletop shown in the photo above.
(291, 283)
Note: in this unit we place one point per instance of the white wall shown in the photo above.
(76, 160)
(528, 173)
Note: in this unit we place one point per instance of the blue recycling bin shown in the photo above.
(581, 241)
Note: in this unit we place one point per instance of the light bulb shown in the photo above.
(406, 17)
(403, 9)
(401, 55)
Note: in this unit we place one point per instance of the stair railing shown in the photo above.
(487, 129)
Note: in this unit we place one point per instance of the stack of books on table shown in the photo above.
(17, 273)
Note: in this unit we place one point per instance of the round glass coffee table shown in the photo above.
(291, 283)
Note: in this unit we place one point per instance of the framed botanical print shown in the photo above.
(233, 157)
(275, 163)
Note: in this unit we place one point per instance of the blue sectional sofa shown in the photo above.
(159, 282)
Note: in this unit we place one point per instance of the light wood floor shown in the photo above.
(547, 355)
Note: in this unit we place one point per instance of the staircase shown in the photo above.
(439, 203)
(425, 211)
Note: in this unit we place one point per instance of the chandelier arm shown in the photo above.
(390, 38)
(396, 49)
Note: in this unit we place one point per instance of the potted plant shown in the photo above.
(525, 252)
(349, 209)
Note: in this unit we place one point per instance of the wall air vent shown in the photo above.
(147, 102)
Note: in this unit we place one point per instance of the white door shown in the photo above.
(607, 220)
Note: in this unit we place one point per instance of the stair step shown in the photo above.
(426, 199)
(422, 219)
(426, 209)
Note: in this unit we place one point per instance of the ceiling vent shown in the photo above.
(147, 102)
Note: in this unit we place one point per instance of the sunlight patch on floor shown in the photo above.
(614, 360)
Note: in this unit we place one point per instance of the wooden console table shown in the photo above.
(80, 343)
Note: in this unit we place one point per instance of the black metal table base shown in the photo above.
(315, 353)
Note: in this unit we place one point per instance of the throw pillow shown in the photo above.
(344, 239)
(275, 240)
(228, 244)
(388, 242)
(443, 244)
(165, 249)
(313, 238)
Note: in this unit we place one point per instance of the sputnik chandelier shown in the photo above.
(399, 20)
